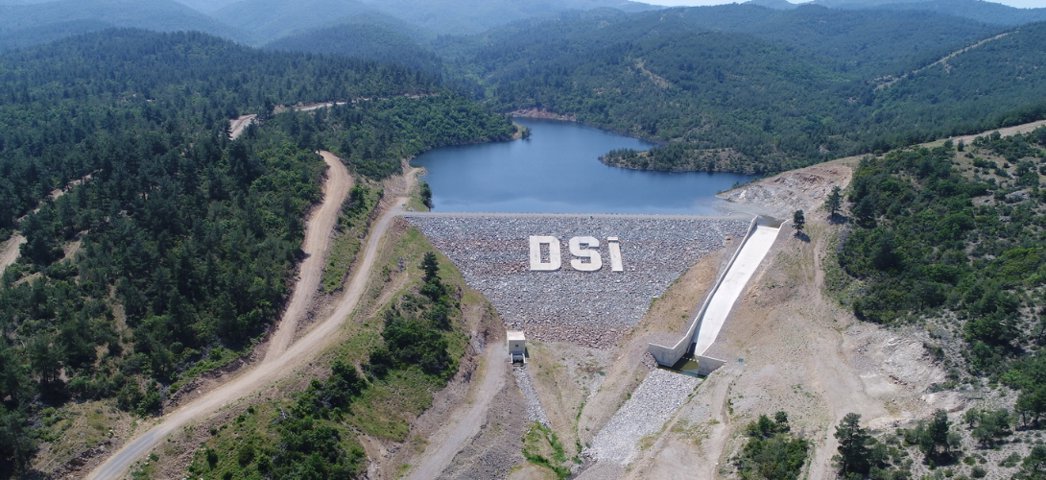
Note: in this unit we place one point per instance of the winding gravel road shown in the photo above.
(464, 423)
(9, 251)
(321, 336)
(317, 241)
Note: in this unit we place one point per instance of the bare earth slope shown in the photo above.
(790, 347)
(321, 336)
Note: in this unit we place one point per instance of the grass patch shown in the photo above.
(76, 428)
(837, 283)
(541, 447)
(145, 470)
(217, 359)
(386, 409)
(353, 225)
(420, 199)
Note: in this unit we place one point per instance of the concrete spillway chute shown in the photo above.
(721, 298)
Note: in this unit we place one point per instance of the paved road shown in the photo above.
(320, 337)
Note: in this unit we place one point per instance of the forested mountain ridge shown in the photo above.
(364, 41)
(23, 25)
(757, 90)
(983, 11)
(268, 20)
(473, 16)
(186, 240)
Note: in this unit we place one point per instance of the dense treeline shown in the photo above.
(175, 254)
(375, 134)
(748, 89)
(927, 239)
(76, 92)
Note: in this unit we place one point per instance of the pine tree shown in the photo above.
(799, 221)
(853, 446)
(431, 266)
(834, 202)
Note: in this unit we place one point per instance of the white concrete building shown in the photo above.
(517, 346)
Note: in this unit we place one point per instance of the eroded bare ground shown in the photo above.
(791, 348)
(803, 189)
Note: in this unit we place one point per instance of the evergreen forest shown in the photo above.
(172, 251)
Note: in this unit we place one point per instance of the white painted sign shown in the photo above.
(546, 254)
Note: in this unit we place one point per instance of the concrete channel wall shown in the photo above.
(670, 356)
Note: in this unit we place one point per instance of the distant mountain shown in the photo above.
(268, 20)
(29, 24)
(207, 6)
(851, 42)
(47, 33)
(978, 10)
(774, 4)
(473, 16)
(743, 87)
(366, 41)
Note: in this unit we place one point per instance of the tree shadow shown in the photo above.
(801, 235)
(838, 219)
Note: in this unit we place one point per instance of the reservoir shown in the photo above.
(557, 170)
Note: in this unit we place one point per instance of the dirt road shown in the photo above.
(320, 337)
(317, 239)
(10, 250)
(465, 422)
(238, 125)
(1006, 132)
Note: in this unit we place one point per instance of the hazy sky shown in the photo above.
(677, 3)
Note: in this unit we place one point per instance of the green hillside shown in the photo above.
(757, 90)
(365, 41)
(951, 239)
(979, 10)
(23, 25)
(187, 241)
(268, 20)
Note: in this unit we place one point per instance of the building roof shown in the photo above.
(516, 335)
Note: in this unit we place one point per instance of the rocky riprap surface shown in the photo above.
(535, 412)
(587, 308)
(646, 411)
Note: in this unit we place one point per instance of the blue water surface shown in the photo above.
(557, 170)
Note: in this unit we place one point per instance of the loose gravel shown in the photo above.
(587, 308)
(535, 413)
(646, 411)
